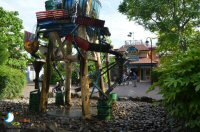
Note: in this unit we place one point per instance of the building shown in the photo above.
(140, 60)
(31, 72)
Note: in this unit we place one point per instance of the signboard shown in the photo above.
(133, 54)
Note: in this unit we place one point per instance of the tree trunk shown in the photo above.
(47, 76)
(85, 90)
(98, 67)
(108, 72)
(68, 75)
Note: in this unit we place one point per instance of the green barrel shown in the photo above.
(60, 98)
(50, 5)
(104, 110)
(34, 101)
(113, 96)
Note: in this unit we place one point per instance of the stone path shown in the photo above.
(138, 91)
(129, 116)
(122, 90)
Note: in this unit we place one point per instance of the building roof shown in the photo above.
(143, 61)
(140, 47)
(122, 49)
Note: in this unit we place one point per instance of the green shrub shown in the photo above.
(180, 85)
(55, 76)
(75, 79)
(155, 75)
(3, 53)
(12, 82)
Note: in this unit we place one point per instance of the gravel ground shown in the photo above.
(129, 116)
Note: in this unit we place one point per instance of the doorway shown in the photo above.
(145, 74)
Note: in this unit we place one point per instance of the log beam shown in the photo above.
(47, 75)
(99, 66)
(85, 90)
(68, 67)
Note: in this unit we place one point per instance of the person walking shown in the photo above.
(134, 79)
(124, 78)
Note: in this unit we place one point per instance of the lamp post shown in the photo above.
(151, 55)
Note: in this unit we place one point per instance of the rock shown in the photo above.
(51, 128)
(130, 114)
(123, 98)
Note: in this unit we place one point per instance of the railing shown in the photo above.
(51, 15)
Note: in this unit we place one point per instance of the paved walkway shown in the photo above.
(138, 91)
(122, 91)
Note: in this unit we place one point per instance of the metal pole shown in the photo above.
(133, 37)
(151, 57)
(151, 60)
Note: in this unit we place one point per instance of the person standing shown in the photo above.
(134, 79)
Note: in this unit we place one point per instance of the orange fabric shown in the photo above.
(82, 43)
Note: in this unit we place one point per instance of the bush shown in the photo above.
(180, 85)
(155, 75)
(12, 82)
(75, 79)
(55, 76)
(3, 54)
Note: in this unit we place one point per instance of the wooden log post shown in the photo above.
(68, 58)
(98, 67)
(47, 76)
(68, 67)
(108, 72)
(85, 90)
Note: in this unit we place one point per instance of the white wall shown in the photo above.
(31, 73)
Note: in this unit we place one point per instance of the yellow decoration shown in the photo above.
(31, 47)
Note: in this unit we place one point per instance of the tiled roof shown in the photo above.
(140, 47)
(143, 61)
(122, 49)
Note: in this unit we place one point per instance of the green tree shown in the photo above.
(180, 85)
(173, 20)
(176, 22)
(3, 54)
(11, 37)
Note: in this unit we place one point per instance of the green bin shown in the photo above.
(60, 98)
(34, 101)
(104, 110)
(113, 96)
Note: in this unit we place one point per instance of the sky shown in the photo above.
(117, 23)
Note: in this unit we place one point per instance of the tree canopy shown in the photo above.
(3, 54)
(11, 38)
(173, 20)
(177, 24)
